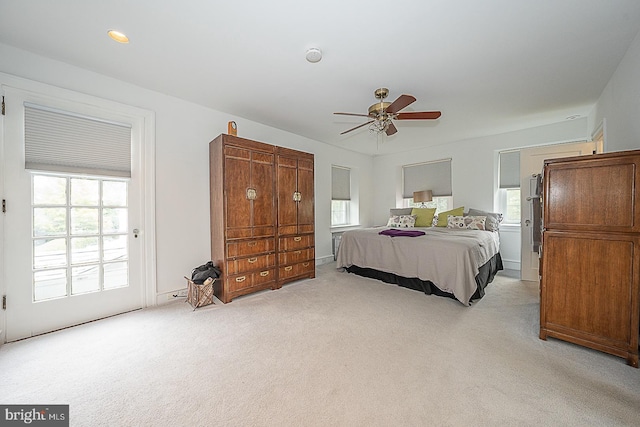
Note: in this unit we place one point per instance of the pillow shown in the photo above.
(400, 211)
(493, 219)
(469, 222)
(442, 216)
(424, 216)
(401, 221)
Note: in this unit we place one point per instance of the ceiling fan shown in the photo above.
(383, 113)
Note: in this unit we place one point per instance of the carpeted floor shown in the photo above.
(338, 350)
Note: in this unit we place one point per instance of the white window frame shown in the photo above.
(342, 208)
(503, 207)
(508, 180)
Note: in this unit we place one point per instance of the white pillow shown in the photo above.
(493, 218)
(469, 222)
(402, 221)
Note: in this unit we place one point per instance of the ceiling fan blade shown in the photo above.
(352, 114)
(391, 129)
(357, 127)
(419, 115)
(400, 103)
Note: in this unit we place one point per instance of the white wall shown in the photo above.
(619, 104)
(183, 131)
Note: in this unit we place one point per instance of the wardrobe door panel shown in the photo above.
(287, 186)
(306, 204)
(237, 171)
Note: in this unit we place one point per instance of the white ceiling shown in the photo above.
(490, 66)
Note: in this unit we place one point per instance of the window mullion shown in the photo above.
(68, 238)
(101, 235)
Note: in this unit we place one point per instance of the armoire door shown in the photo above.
(263, 205)
(306, 204)
(287, 195)
(237, 178)
(250, 207)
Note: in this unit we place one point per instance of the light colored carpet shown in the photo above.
(339, 350)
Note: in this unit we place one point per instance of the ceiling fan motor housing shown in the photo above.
(378, 110)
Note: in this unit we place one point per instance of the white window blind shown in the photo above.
(60, 141)
(340, 183)
(434, 176)
(509, 165)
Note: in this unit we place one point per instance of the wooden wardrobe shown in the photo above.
(590, 271)
(262, 215)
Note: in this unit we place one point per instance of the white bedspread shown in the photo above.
(450, 258)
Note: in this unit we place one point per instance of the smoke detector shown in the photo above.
(314, 55)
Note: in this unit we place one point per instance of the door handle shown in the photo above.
(527, 222)
(136, 232)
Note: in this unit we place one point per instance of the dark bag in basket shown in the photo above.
(202, 273)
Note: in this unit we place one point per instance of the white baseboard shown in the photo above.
(511, 265)
(168, 297)
(324, 260)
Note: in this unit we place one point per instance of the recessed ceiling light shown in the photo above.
(118, 36)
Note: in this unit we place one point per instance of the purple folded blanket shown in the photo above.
(394, 232)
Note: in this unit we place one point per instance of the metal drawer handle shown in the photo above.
(297, 252)
(241, 279)
(305, 264)
(297, 239)
(252, 243)
(251, 194)
(264, 273)
(252, 260)
(288, 268)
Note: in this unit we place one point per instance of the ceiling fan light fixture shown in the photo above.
(379, 125)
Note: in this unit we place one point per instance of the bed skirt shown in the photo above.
(485, 276)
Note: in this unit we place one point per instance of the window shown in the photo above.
(510, 205)
(509, 186)
(339, 212)
(440, 203)
(80, 169)
(79, 235)
(434, 176)
(340, 196)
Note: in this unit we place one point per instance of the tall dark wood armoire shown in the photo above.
(590, 272)
(246, 238)
(296, 219)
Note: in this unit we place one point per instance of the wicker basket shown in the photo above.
(199, 295)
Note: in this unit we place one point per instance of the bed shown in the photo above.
(456, 263)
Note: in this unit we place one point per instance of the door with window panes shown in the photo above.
(71, 255)
(80, 235)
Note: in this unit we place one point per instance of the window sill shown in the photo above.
(509, 227)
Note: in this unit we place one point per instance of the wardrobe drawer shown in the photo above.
(291, 243)
(298, 269)
(250, 280)
(258, 262)
(293, 257)
(245, 248)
